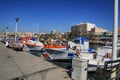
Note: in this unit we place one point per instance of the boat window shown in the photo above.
(77, 41)
(108, 44)
(33, 39)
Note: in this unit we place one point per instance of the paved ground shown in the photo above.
(22, 65)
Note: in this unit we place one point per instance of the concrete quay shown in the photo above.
(18, 65)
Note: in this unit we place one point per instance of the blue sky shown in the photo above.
(55, 14)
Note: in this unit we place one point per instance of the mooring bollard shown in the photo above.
(79, 69)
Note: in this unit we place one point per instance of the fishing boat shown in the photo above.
(55, 46)
(56, 49)
(32, 44)
(15, 45)
(56, 52)
(106, 50)
(81, 44)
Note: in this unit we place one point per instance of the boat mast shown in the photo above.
(38, 32)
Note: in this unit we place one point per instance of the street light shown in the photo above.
(16, 19)
(115, 38)
(6, 33)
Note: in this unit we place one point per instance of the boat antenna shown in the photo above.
(38, 32)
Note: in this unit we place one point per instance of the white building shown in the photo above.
(88, 26)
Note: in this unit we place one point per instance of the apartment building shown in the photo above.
(82, 29)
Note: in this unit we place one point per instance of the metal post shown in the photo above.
(38, 33)
(115, 34)
(17, 19)
(6, 33)
(16, 32)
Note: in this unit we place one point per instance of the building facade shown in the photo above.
(82, 29)
(54, 32)
(97, 31)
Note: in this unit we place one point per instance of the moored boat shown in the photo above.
(31, 43)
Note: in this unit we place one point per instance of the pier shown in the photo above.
(19, 65)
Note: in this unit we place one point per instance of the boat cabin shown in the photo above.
(82, 42)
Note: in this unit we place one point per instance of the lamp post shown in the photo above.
(6, 33)
(115, 36)
(16, 19)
